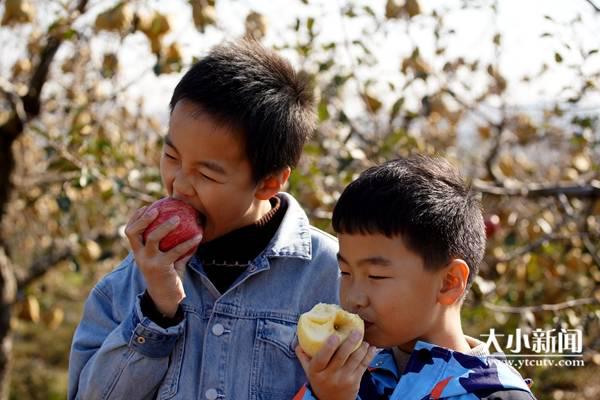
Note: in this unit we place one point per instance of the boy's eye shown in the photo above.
(377, 278)
(343, 273)
(207, 177)
(169, 156)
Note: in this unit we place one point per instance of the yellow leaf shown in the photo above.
(256, 25)
(373, 104)
(17, 12)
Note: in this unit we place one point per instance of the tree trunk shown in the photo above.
(24, 109)
(7, 297)
(7, 273)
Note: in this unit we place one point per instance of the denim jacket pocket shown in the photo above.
(170, 384)
(276, 371)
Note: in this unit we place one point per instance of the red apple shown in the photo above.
(188, 227)
(492, 224)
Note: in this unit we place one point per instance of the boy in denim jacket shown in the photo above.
(411, 239)
(218, 324)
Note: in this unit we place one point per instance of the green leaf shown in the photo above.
(310, 23)
(369, 11)
(340, 80)
(326, 65)
(329, 46)
(62, 165)
(322, 110)
(497, 39)
(396, 108)
(557, 57)
(70, 34)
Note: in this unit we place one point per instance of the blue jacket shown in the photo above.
(437, 373)
(238, 345)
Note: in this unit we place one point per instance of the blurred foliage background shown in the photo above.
(84, 88)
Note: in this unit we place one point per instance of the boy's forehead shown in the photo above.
(372, 245)
(201, 136)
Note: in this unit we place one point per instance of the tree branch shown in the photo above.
(43, 264)
(535, 190)
(542, 307)
(31, 103)
(532, 246)
(594, 6)
(498, 128)
(16, 104)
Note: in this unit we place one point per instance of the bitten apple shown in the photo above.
(188, 227)
(324, 320)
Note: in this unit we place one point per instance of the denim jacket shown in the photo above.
(235, 345)
(434, 372)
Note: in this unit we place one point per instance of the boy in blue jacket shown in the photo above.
(219, 324)
(411, 239)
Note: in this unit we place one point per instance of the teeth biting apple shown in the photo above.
(188, 227)
(324, 320)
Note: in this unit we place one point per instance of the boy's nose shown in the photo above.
(182, 188)
(355, 300)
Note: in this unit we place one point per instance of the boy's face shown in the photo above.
(204, 164)
(387, 285)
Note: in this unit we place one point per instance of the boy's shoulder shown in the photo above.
(321, 234)
(124, 274)
(297, 232)
(454, 374)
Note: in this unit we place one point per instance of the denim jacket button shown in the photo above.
(218, 329)
(211, 394)
(141, 339)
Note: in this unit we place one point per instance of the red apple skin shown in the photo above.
(188, 227)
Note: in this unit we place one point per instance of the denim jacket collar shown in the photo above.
(292, 239)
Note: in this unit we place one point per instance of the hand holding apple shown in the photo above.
(324, 320)
(163, 237)
(188, 227)
(331, 351)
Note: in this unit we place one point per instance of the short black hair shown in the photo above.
(425, 201)
(258, 93)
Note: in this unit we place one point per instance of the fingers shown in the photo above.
(345, 350)
(154, 237)
(181, 254)
(362, 357)
(180, 264)
(136, 226)
(321, 360)
(303, 358)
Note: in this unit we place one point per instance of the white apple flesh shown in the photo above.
(324, 320)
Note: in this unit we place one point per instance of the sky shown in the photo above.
(521, 23)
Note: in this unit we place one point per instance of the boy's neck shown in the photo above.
(259, 209)
(263, 209)
(447, 333)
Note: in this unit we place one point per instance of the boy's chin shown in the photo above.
(388, 342)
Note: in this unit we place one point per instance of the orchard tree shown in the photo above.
(79, 151)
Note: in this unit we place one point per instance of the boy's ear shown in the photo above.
(454, 282)
(272, 184)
